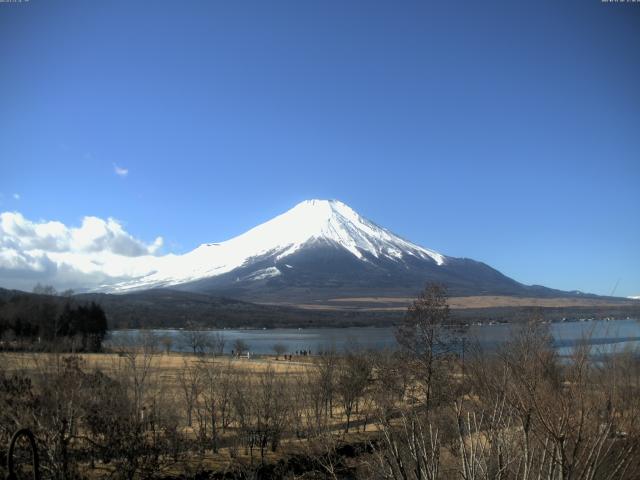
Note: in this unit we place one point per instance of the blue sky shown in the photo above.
(507, 132)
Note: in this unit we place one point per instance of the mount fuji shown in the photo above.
(321, 250)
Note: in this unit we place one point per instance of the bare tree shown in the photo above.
(352, 378)
(424, 336)
(243, 408)
(194, 339)
(240, 346)
(136, 358)
(57, 417)
(409, 449)
(279, 349)
(310, 403)
(189, 379)
(167, 343)
(217, 342)
(392, 379)
(327, 364)
(538, 418)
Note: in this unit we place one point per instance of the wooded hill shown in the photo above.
(164, 308)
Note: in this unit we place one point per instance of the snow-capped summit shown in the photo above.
(327, 222)
(319, 249)
(330, 221)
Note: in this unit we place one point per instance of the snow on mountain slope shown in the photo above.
(328, 221)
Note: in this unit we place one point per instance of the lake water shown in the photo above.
(604, 336)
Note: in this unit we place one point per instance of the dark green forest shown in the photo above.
(39, 321)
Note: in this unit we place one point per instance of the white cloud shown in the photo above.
(94, 253)
(120, 171)
(16, 196)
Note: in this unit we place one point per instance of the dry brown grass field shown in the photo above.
(387, 408)
(399, 304)
(489, 301)
(167, 365)
(163, 374)
(164, 370)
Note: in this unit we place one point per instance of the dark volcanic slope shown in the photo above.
(324, 270)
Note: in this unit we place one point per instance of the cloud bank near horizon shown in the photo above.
(96, 253)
